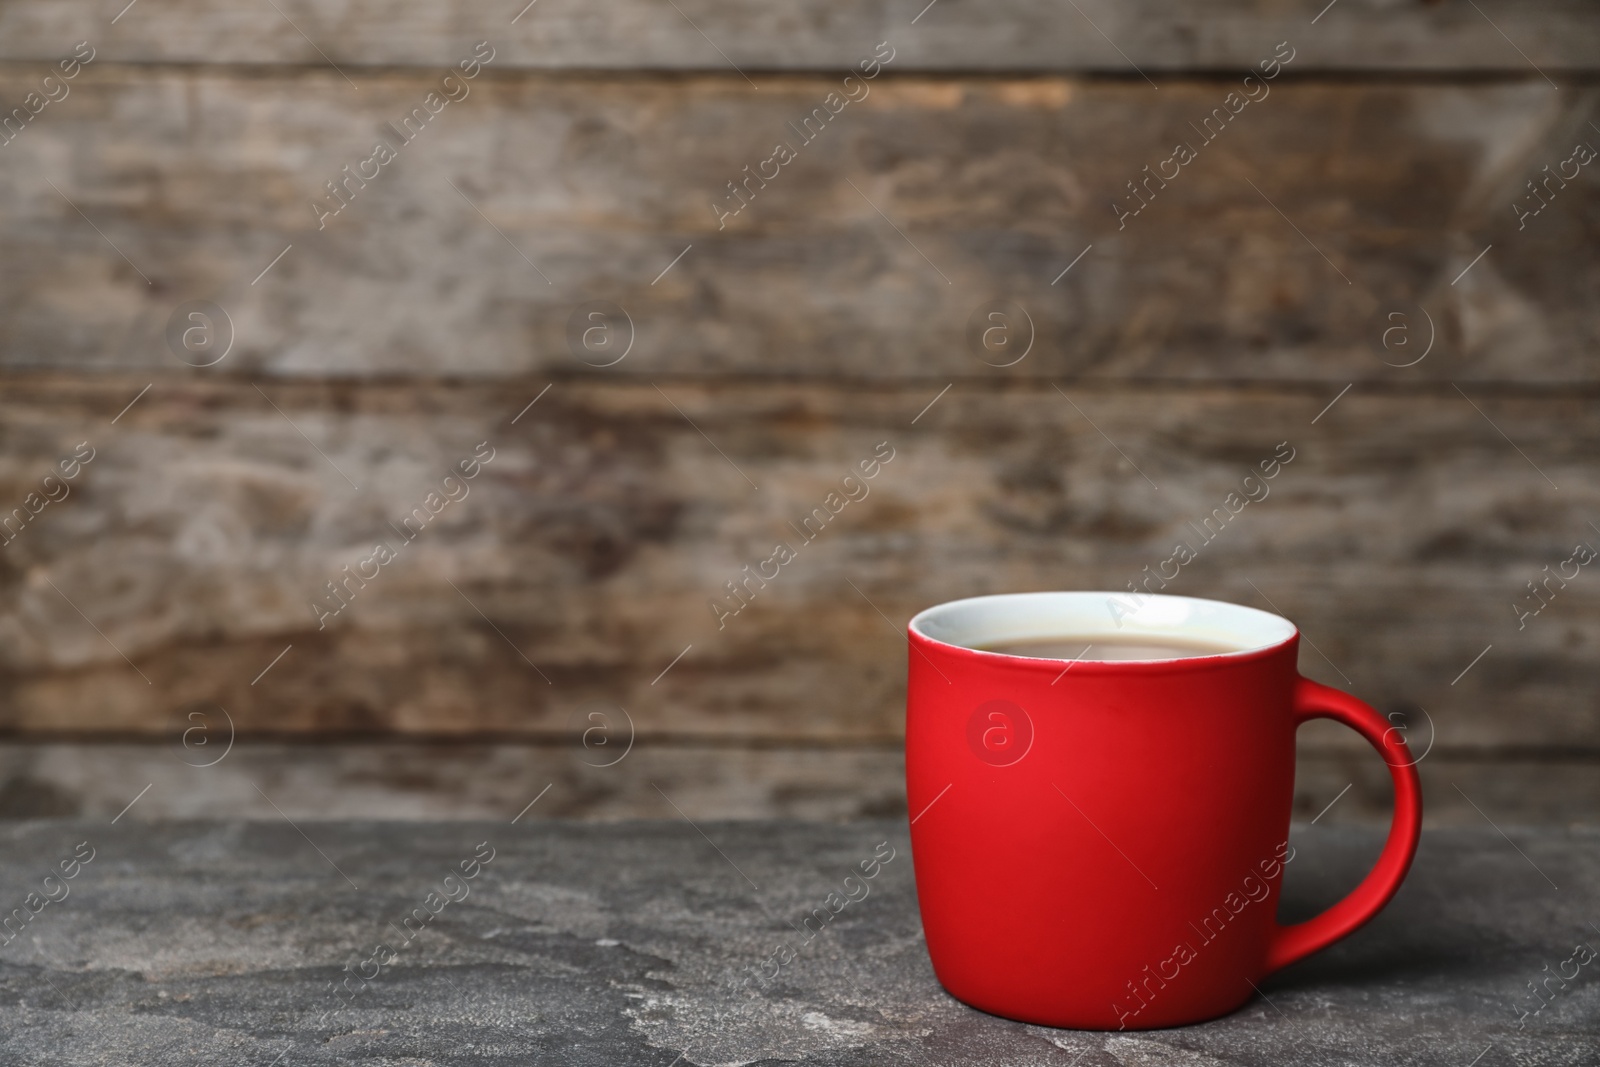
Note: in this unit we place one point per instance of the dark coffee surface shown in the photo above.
(1108, 647)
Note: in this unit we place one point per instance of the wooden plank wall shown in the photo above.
(1349, 258)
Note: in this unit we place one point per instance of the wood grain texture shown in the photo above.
(1363, 213)
(588, 552)
(1102, 35)
(322, 779)
(1284, 251)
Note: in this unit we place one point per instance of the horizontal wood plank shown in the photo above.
(1332, 232)
(403, 779)
(1100, 35)
(583, 561)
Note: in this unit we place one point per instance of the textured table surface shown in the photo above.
(219, 943)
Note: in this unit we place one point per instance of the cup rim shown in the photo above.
(1165, 616)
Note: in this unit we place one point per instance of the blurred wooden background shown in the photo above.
(1360, 214)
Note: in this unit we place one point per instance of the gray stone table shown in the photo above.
(583, 943)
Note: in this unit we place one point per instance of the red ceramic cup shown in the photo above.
(1099, 844)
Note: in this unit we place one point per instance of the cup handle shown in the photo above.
(1314, 701)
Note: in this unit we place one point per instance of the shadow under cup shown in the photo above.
(1099, 844)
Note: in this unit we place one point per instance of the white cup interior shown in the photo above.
(988, 620)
